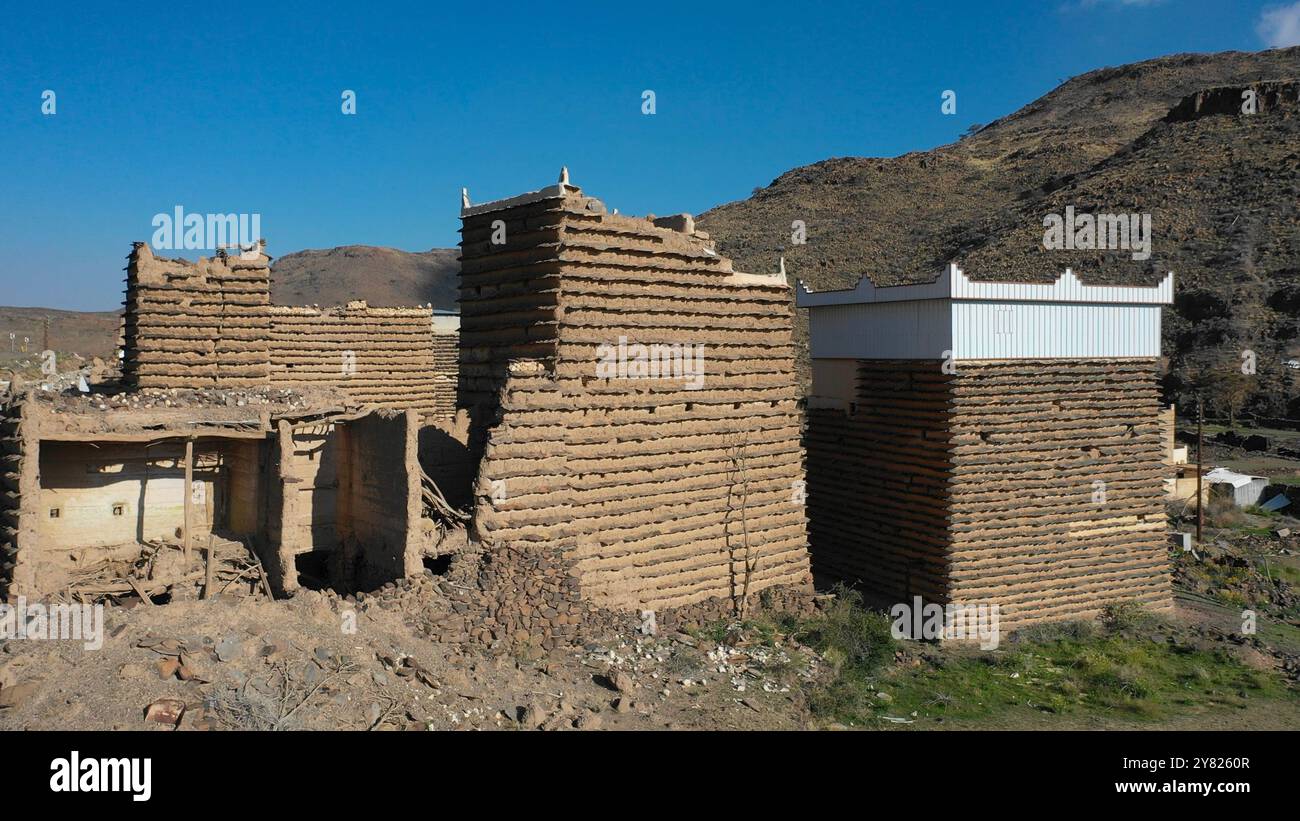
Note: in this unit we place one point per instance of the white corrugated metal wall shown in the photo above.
(920, 329)
(925, 329)
(1039, 330)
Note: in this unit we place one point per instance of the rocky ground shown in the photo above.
(247, 663)
(321, 661)
(1248, 563)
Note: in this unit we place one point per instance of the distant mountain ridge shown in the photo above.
(89, 333)
(382, 276)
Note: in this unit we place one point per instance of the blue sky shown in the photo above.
(235, 107)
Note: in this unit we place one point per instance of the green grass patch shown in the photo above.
(1075, 667)
(1289, 573)
(1254, 531)
(1256, 510)
(1133, 678)
(858, 643)
(761, 630)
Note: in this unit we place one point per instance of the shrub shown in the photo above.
(1125, 616)
(856, 639)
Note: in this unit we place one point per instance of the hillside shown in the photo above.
(89, 333)
(382, 276)
(1221, 189)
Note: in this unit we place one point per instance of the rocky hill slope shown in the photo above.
(1155, 137)
(381, 276)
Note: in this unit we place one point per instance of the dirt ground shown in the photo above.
(320, 661)
(299, 664)
(256, 664)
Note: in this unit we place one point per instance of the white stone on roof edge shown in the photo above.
(550, 192)
(954, 284)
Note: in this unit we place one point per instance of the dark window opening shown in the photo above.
(313, 570)
(437, 565)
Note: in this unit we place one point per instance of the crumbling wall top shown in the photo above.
(145, 268)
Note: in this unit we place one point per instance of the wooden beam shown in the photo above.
(147, 436)
(189, 495)
(210, 571)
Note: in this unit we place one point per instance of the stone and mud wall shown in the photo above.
(380, 509)
(82, 488)
(613, 491)
(1036, 485)
(383, 357)
(196, 325)
(1057, 492)
(211, 324)
(19, 459)
(879, 482)
(348, 488)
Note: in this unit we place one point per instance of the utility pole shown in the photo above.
(1200, 469)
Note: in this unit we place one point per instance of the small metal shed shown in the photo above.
(1246, 490)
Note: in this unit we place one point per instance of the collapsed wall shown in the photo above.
(211, 324)
(89, 485)
(626, 484)
(96, 489)
(346, 488)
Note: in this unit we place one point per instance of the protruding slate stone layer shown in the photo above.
(1057, 490)
(196, 325)
(878, 482)
(649, 488)
(387, 357)
(1035, 485)
(18, 477)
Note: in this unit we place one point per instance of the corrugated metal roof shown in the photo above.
(1231, 477)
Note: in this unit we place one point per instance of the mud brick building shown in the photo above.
(211, 324)
(987, 442)
(644, 492)
(87, 481)
(291, 431)
(625, 436)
